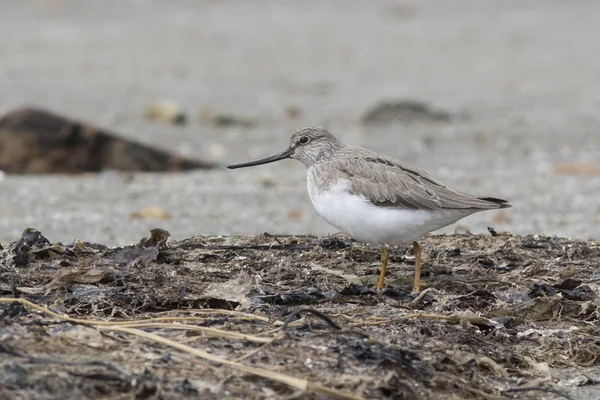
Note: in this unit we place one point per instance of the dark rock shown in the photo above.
(581, 293)
(399, 294)
(452, 252)
(185, 387)
(11, 313)
(33, 237)
(21, 255)
(541, 290)
(489, 263)
(568, 284)
(35, 141)
(405, 111)
(506, 321)
(478, 300)
(333, 243)
(292, 298)
(356, 290)
(158, 238)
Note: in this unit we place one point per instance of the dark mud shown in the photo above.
(501, 317)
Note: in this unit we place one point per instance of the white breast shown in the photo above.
(357, 217)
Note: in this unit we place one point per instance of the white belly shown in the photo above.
(362, 220)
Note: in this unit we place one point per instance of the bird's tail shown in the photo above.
(499, 202)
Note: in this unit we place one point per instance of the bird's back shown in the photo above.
(388, 182)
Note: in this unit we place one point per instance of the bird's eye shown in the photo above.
(303, 140)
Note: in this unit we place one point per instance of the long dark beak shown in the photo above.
(276, 157)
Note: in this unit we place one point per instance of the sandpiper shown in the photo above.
(374, 198)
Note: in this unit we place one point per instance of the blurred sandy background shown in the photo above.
(521, 81)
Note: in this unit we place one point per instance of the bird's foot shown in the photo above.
(416, 287)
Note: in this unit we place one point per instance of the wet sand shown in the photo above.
(521, 81)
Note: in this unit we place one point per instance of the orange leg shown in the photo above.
(385, 256)
(417, 252)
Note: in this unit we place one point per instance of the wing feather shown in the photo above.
(391, 183)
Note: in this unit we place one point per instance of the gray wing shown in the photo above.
(388, 182)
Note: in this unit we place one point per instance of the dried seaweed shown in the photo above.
(216, 308)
